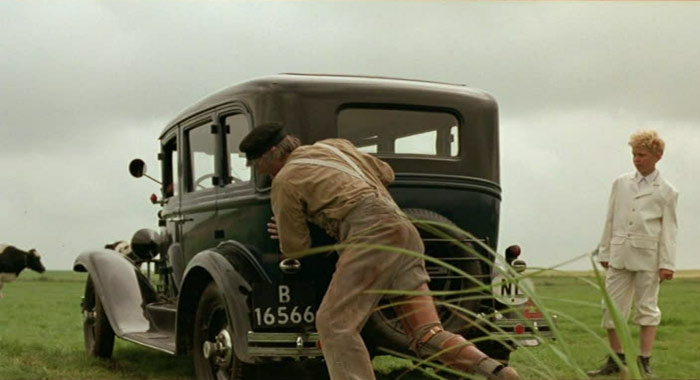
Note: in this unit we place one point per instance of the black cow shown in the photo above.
(13, 261)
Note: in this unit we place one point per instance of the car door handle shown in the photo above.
(179, 219)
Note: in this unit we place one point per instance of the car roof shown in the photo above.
(334, 86)
(308, 105)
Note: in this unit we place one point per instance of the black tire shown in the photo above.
(99, 336)
(212, 325)
(497, 350)
(383, 330)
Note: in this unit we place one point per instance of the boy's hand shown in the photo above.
(665, 274)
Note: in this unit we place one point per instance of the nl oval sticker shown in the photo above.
(510, 291)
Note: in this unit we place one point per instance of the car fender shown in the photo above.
(122, 288)
(233, 268)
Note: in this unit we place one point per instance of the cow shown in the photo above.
(123, 247)
(13, 261)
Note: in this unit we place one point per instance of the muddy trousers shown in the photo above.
(349, 300)
(347, 357)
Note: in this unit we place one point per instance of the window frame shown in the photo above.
(170, 171)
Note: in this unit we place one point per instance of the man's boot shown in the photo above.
(494, 370)
(645, 366)
(610, 367)
(420, 321)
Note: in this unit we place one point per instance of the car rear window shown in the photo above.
(400, 131)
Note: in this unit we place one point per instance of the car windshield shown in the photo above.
(400, 131)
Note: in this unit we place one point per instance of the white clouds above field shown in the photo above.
(86, 86)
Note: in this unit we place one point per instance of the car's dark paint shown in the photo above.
(308, 103)
(220, 232)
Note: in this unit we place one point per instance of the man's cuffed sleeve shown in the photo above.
(292, 229)
(669, 230)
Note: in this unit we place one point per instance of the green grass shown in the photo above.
(41, 335)
(675, 351)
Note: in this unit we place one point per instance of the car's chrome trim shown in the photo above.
(283, 344)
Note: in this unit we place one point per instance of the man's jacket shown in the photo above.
(305, 189)
(641, 226)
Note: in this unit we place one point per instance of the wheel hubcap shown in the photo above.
(89, 317)
(221, 349)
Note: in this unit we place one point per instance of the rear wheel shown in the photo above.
(99, 336)
(383, 328)
(496, 350)
(214, 357)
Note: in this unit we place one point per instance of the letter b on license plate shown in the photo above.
(283, 305)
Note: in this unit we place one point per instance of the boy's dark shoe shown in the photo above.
(610, 367)
(645, 366)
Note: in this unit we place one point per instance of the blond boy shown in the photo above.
(638, 246)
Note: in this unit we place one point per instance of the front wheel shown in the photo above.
(99, 336)
(214, 357)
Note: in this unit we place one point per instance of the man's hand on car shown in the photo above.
(272, 229)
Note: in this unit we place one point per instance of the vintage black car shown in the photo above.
(222, 291)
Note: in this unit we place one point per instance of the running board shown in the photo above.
(158, 340)
(283, 344)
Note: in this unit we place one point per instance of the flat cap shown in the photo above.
(261, 139)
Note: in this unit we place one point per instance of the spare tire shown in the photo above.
(383, 330)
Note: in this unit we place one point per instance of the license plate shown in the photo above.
(510, 292)
(284, 305)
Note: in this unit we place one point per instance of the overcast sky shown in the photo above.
(87, 86)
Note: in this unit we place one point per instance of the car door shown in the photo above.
(201, 180)
(242, 212)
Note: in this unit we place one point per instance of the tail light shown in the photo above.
(512, 253)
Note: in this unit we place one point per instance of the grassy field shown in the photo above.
(41, 335)
(676, 351)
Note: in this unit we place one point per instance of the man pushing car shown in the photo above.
(343, 190)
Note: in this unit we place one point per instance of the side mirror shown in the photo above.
(137, 168)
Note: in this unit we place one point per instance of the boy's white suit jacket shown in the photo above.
(641, 226)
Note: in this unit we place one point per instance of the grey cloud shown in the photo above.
(86, 86)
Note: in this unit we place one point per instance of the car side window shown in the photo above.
(201, 155)
(237, 128)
